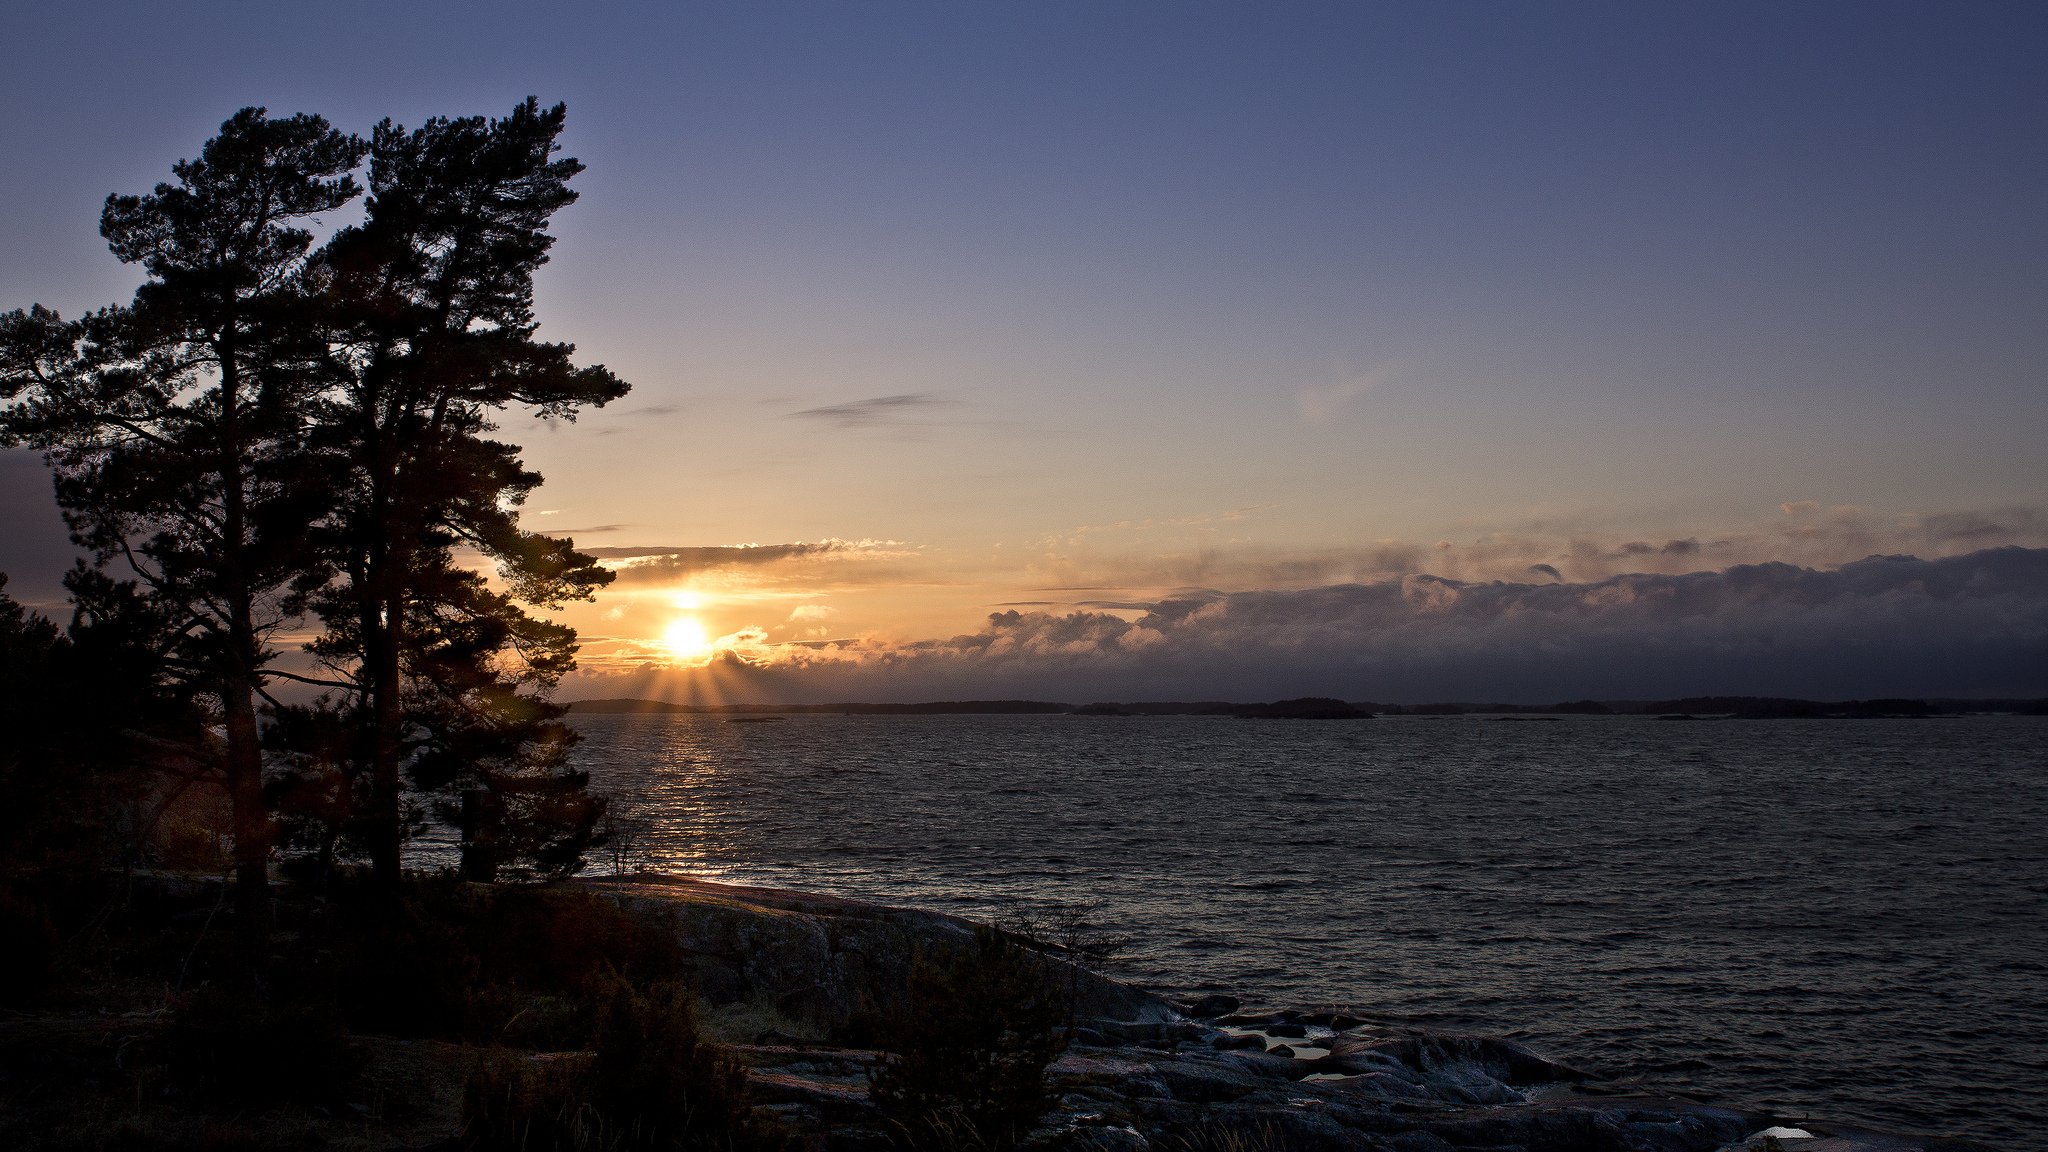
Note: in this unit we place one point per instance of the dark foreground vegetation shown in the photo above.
(461, 1016)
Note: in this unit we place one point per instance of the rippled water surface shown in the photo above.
(1840, 918)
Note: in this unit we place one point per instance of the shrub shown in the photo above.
(651, 1083)
(27, 959)
(234, 1046)
(966, 1057)
(524, 966)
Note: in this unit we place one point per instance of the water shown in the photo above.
(1843, 919)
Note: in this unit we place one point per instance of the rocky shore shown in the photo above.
(780, 972)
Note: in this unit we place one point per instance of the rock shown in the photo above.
(801, 965)
(794, 969)
(1206, 1083)
(1449, 1057)
(1210, 1007)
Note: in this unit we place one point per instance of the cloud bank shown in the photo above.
(1975, 624)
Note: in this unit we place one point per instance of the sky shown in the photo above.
(1168, 351)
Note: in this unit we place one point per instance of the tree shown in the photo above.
(176, 426)
(430, 329)
(95, 745)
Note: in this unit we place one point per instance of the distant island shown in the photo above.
(1325, 708)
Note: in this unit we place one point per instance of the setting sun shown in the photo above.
(686, 640)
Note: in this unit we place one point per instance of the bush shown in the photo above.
(520, 966)
(28, 956)
(966, 1058)
(651, 1083)
(234, 1046)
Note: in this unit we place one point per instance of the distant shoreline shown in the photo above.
(1737, 707)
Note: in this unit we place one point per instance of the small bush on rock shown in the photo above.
(651, 1083)
(966, 1058)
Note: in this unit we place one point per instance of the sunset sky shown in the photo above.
(1139, 351)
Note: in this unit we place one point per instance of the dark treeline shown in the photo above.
(286, 433)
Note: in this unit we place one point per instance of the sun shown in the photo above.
(687, 641)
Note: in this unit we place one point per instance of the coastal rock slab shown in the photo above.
(804, 966)
(779, 972)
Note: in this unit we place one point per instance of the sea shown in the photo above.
(1841, 919)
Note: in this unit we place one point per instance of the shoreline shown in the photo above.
(1143, 1069)
(811, 1001)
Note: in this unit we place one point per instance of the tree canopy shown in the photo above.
(277, 428)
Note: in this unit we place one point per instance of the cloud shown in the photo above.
(1322, 403)
(1975, 624)
(1805, 534)
(879, 410)
(648, 564)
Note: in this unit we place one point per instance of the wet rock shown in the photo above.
(1452, 1058)
(1206, 1083)
(1210, 1007)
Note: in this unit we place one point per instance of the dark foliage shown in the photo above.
(456, 961)
(229, 1046)
(28, 958)
(98, 747)
(968, 1052)
(273, 426)
(176, 425)
(428, 317)
(651, 1082)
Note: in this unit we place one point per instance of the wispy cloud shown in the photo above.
(644, 564)
(1324, 401)
(879, 410)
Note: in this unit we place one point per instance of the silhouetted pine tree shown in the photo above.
(176, 425)
(429, 320)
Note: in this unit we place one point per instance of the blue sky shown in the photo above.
(1160, 297)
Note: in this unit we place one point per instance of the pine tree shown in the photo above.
(431, 331)
(176, 425)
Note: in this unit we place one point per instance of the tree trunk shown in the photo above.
(387, 744)
(244, 769)
(251, 818)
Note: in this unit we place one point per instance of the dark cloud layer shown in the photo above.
(1887, 625)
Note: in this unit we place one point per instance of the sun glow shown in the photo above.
(687, 641)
